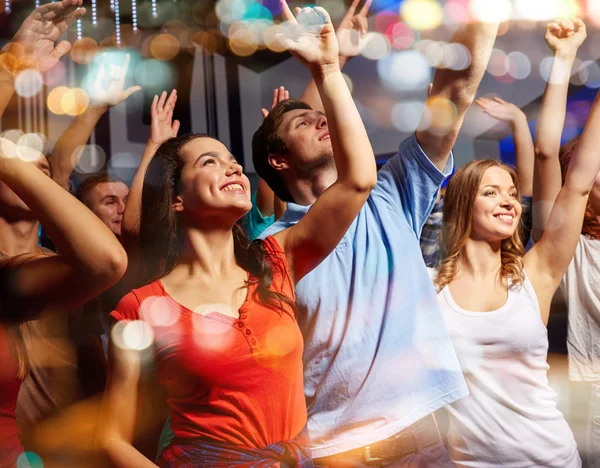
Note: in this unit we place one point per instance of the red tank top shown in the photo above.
(236, 381)
(10, 444)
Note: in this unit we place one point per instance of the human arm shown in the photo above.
(507, 112)
(337, 207)
(453, 91)
(564, 37)
(33, 46)
(122, 396)
(77, 134)
(115, 439)
(162, 127)
(351, 34)
(550, 257)
(268, 203)
(91, 258)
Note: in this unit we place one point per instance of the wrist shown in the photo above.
(96, 110)
(565, 55)
(152, 144)
(321, 71)
(342, 60)
(519, 119)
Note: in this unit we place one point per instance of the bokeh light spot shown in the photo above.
(88, 159)
(422, 14)
(164, 47)
(74, 101)
(29, 460)
(393, 71)
(138, 335)
(376, 46)
(160, 311)
(84, 50)
(28, 83)
(54, 100)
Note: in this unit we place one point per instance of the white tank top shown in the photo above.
(581, 288)
(510, 418)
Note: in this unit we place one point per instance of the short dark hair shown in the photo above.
(90, 182)
(266, 141)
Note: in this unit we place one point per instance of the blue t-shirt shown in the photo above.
(377, 355)
(254, 222)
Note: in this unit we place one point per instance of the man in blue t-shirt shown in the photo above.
(377, 358)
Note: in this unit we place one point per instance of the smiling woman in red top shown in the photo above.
(226, 345)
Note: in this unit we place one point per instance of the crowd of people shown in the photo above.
(340, 316)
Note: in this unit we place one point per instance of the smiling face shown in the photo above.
(212, 184)
(306, 137)
(496, 208)
(11, 206)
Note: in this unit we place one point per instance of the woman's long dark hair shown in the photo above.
(161, 236)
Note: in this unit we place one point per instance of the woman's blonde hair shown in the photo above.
(458, 213)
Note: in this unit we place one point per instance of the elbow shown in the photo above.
(362, 187)
(365, 183)
(111, 267)
(105, 448)
(462, 95)
(542, 153)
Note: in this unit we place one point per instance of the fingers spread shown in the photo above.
(153, 106)
(350, 13)
(281, 94)
(365, 9)
(170, 105)
(286, 12)
(162, 100)
(61, 49)
(175, 127)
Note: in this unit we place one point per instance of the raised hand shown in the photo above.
(566, 35)
(114, 93)
(163, 126)
(352, 30)
(42, 28)
(280, 94)
(309, 36)
(500, 109)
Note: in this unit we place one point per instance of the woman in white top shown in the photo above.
(496, 301)
(581, 283)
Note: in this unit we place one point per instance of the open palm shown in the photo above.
(162, 125)
(499, 109)
(115, 92)
(42, 28)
